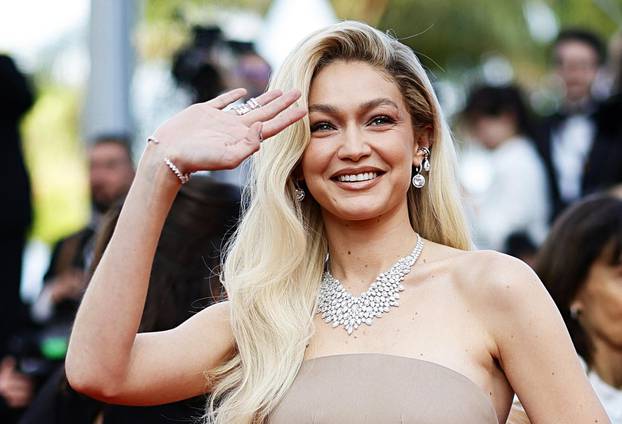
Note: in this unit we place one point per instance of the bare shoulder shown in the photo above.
(491, 282)
(529, 338)
(486, 275)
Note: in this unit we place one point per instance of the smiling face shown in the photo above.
(358, 163)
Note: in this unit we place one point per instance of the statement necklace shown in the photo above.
(339, 307)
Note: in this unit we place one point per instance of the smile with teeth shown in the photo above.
(363, 176)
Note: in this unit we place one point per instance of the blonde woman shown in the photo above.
(357, 180)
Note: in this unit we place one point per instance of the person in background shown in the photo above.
(111, 171)
(581, 144)
(581, 266)
(184, 280)
(29, 360)
(512, 198)
(580, 263)
(251, 71)
(15, 101)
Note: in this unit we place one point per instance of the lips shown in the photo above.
(355, 175)
(363, 176)
(356, 179)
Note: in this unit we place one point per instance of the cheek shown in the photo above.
(311, 161)
(314, 166)
(604, 299)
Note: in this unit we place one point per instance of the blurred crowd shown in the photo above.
(544, 189)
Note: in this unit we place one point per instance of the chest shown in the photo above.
(433, 322)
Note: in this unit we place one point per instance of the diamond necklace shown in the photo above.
(339, 307)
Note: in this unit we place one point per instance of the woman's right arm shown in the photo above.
(107, 359)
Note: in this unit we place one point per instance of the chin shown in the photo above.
(359, 211)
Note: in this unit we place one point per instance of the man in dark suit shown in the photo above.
(581, 144)
(111, 172)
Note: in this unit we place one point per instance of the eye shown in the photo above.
(322, 126)
(381, 120)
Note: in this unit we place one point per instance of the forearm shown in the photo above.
(108, 318)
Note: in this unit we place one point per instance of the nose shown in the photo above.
(353, 147)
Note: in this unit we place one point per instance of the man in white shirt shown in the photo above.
(581, 144)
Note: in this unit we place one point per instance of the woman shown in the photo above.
(506, 179)
(581, 265)
(336, 181)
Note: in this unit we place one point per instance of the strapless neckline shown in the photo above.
(457, 374)
(382, 388)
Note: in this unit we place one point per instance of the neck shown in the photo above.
(607, 362)
(360, 250)
(582, 104)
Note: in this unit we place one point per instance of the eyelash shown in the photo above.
(319, 125)
(384, 118)
(326, 126)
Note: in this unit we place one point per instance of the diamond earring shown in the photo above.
(299, 193)
(418, 179)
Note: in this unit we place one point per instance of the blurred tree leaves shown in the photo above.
(456, 33)
(450, 36)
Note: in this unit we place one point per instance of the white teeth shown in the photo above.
(364, 176)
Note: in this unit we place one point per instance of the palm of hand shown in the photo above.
(204, 136)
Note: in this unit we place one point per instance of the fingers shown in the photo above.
(268, 96)
(227, 98)
(262, 100)
(282, 121)
(270, 109)
(18, 393)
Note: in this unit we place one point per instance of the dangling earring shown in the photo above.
(299, 193)
(418, 179)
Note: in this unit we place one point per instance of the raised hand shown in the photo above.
(206, 137)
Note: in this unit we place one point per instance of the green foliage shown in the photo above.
(55, 159)
(456, 33)
(452, 36)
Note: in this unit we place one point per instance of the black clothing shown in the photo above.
(15, 100)
(603, 166)
(70, 253)
(58, 403)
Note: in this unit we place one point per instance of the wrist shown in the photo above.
(171, 159)
(153, 168)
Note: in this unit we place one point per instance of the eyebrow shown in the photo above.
(363, 107)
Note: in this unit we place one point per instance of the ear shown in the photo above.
(423, 138)
(576, 307)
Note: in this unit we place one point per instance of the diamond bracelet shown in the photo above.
(184, 178)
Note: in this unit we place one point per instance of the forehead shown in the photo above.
(342, 84)
(575, 50)
(106, 150)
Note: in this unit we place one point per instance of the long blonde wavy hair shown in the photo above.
(275, 261)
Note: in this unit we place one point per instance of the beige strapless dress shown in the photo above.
(381, 389)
